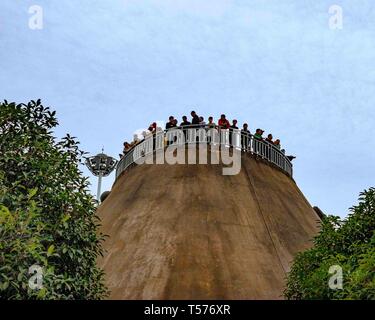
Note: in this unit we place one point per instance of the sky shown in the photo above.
(112, 67)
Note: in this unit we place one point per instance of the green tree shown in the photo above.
(47, 215)
(348, 243)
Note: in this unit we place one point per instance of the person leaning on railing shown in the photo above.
(223, 122)
(231, 128)
(185, 122)
(195, 121)
(152, 127)
(269, 139)
(234, 124)
(245, 137)
(135, 140)
(258, 134)
(211, 124)
(195, 118)
(172, 123)
(277, 144)
(257, 138)
(202, 123)
(127, 147)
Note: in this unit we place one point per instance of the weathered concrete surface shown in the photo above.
(188, 232)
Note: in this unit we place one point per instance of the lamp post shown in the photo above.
(100, 166)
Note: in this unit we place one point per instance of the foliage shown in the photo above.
(349, 244)
(47, 215)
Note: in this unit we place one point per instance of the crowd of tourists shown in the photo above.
(199, 121)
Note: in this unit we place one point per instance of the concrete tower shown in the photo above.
(190, 232)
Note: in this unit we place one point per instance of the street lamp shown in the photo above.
(100, 166)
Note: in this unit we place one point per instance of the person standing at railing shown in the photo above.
(223, 122)
(280, 160)
(126, 149)
(224, 125)
(277, 144)
(195, 118)
(278, 147)
(231, 130)
(152, 131)
(202, 123)
(183, 124)
(258, 134)
(211, 124)
(270, 144)
(152, 127)
(145, 134)
(135, 140)
(258, 141)
(245, 137)
(269, 139)
(171, 123)
(234, 124)
(195, 121)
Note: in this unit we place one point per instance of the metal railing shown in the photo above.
(195, 134)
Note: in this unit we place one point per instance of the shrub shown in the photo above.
(349, 244)
(47, 215)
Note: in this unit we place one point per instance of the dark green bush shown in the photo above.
(349, 244)
(47, 215)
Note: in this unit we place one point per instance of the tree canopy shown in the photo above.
(349, 244)
(47, 214)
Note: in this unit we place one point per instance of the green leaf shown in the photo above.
(42, 293)
(4, 285)
(50, 250)
(32, 192)
(20, 276)
(65, 218)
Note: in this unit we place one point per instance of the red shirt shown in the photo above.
(224, 123)
(152, 127)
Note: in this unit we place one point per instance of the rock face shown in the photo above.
(188, 232)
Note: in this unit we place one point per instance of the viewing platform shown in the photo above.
(214, 137)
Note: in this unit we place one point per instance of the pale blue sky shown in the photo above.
(111, 67)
